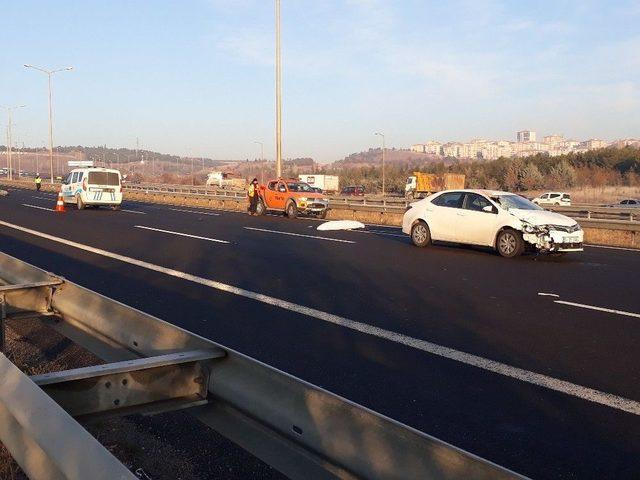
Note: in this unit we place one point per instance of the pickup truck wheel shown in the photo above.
(292, 210)
(322, 214)
(510, 243)
(260, 208)
(79, 203)
(420, 234)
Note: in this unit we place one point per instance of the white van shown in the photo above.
(553, 198)
(92, 186)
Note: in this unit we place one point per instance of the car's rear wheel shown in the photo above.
(420, 234)
(260, 208)
(79, 203)
(292, 210)
(510, 243)
(115, 207)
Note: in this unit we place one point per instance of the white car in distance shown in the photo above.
(553, 198)
(504, 221)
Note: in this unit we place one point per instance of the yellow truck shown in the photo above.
(422, 184)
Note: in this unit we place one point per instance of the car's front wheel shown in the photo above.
(292, 210)
(260, 208)
(79, 203)
(510, 243)
(420, 234)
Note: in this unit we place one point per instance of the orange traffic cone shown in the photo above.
(60, 203)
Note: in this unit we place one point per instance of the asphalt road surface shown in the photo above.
(532, 363)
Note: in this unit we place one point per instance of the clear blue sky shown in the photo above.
(196, 77)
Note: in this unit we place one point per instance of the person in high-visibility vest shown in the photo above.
(38, 182)
(252, 193)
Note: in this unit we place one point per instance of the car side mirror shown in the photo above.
(488, 209)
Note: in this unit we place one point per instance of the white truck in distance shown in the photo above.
(225, 180)
(326, 183)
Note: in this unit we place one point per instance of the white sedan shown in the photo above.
(504, 221)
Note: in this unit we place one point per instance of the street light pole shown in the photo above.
(383, 150)
(10, 139)
(278, 96)
(49, 74)
(261, 161)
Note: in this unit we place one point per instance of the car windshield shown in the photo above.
(514, 201)
(299, 187)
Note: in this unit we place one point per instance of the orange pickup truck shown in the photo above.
(292, 197)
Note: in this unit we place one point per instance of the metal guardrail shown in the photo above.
(298, 428)
(390, 204)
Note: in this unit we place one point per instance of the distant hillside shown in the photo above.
(393, 156)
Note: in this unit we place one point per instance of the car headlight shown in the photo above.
(528, 228)
(303, 199)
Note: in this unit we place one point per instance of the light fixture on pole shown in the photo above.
(383, 150)
(261, 161)
(10, 110)
(49, 74)
(278, 96)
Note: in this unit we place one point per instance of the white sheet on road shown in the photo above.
(340, 225)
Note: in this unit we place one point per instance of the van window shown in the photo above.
(74, 177)
(104, 178)
(555, 195)
(566, 196)
(80, 175)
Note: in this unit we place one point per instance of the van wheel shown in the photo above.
(115, 207)
(292, 210)
(510, 243)
(420, 234)
(260, 208)
(79, 203)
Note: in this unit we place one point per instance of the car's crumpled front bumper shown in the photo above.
(554, 240)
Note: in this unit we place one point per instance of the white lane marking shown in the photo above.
(182, 234)
(551, 383)
(376, 232)
(194, 211)
(45, 198)
(613, 248)
(600, 309)
(299, 235)
(548, 295)
(36, 206)
(133, 211)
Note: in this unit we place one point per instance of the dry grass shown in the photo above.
(597, 195)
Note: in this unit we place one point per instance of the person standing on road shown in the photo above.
(38, 182)
(252, 192)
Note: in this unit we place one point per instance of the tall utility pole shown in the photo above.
(384, 147)
(49, 74)
(261, 161)
(10, 139)
(278, 96)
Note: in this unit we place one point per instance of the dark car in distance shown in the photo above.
(353, 190)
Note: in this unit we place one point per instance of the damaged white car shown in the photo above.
(507, 222)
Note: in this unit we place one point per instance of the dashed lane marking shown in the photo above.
(545, 381)
(133, 211)
(599, 309)
(194, 211)
(36, 206)
(299, 235)
(171, 232)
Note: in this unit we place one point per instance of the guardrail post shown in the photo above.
(3, 317)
